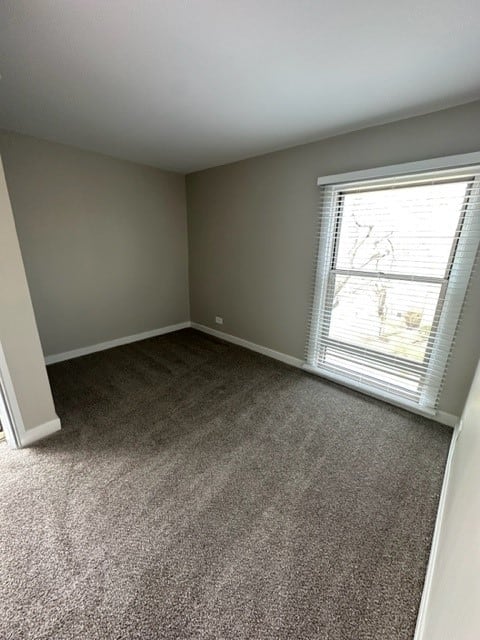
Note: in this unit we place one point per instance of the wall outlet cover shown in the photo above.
(218, 320)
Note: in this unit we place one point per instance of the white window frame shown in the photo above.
(452, 305)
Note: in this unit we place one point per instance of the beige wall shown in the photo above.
(451, 608)
(18, 331)
(252, 227)
(104, 242)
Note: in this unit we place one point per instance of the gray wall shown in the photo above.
(18, 331)
(104, 242)
(252, 227)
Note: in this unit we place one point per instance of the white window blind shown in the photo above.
(394, 261)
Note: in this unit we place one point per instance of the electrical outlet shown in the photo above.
(218, 320)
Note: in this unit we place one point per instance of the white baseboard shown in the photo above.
(432, 561)
(447, 418)
(101, 346)
(271, 353)
(441, 416)
(38, 433)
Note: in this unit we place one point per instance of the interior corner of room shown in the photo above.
(239, 383)
(116, 252)
(110, 258)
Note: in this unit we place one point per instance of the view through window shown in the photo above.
(389, 262)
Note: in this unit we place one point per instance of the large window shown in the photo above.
(394, 261)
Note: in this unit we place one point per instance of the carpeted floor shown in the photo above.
(199, 490)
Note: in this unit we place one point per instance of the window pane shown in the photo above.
(390, 316)
(407, 230)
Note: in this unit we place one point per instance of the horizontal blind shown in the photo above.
(395, 256)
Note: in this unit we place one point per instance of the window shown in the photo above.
(395, 257)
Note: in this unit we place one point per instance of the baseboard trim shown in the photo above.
(271, 353)
(447, 418)
(30, 436)
(432, 561)
(102, 346)
(440, 416)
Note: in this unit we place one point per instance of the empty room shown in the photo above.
(239, 320)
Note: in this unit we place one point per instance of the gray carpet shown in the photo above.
(199, 490)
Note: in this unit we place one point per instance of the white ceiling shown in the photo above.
(188, 84)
